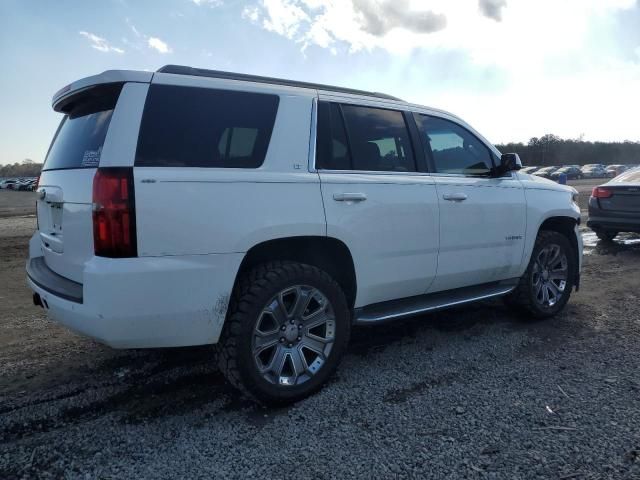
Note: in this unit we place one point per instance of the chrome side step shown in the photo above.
(409, 307)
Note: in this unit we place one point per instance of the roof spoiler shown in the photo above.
(107, 77)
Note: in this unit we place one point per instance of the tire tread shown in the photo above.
(244, 297)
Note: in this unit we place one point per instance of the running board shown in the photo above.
(408, 307)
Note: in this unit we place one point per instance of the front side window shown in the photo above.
(362, 138)
(379, 139)
(453, 148)
(201, 127)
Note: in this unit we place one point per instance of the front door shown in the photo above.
(482, 218)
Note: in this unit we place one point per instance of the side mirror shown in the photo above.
(509, 162)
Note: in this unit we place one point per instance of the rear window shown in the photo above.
(80, 136)
(632, 176)
(201, 127)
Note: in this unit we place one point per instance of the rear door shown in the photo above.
(482, 218)
(376, 201)
(98, 128)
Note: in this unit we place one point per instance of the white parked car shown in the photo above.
(267, 216)
(8, 184)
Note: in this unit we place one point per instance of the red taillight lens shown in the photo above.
(114, 216)
(600, 192)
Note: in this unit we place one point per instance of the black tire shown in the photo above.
(251, 296)
(606, 235)
(523, 298)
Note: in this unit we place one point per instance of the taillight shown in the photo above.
(114, 215)
(600, 192)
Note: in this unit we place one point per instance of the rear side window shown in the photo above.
(201, 127)
(332, 145)
(453, 148)
(80, 137)
(352, 137)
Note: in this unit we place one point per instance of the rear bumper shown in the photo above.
(613, 220)
(145, 302)
(42, 276)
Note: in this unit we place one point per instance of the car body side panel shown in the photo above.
(482, 237)
(392, 236)
(546, 200)
(227, 210)
(120, 144)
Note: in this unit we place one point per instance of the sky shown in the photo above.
(514, 69)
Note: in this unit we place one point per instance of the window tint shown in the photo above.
(80, 136)
(453, 148)
(378, 139)
(332, 147)
(198, 127)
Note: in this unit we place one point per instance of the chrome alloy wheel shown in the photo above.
(550, 275)
(293, 335)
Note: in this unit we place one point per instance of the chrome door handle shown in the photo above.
(349, 197)
(455, 197)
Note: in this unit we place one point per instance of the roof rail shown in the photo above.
(201, 72)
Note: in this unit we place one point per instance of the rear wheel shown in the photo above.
(546, 285)
(287, 329)
(606, 235)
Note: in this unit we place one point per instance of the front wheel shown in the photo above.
(546, 285)
(287, 329)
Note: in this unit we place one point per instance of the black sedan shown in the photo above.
(615, 206)
(572, 173)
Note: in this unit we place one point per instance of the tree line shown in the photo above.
(553, 150)
(26, 168)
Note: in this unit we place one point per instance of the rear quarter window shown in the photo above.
(201, 127)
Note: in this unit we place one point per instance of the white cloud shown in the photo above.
(208, 3)
(159, 45)
(251, 13)
(142, 41)
(285, 17)
(100, 43)
(559, 69)
(522, 27)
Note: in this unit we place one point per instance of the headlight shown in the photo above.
(574, 197)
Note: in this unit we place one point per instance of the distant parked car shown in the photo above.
(546, 172)
(27, 185)
(615, 170)
(615, 206)
(529, 170)
(594, 171)
(7, 184)
(572, 173)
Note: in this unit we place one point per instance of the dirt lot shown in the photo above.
(469, 393)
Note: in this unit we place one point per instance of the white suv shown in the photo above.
(267, 216)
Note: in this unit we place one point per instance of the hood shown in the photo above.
(535, 181)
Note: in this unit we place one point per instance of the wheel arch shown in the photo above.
(566, 226)
(327, 253)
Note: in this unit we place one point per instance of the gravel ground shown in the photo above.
(467, 393)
